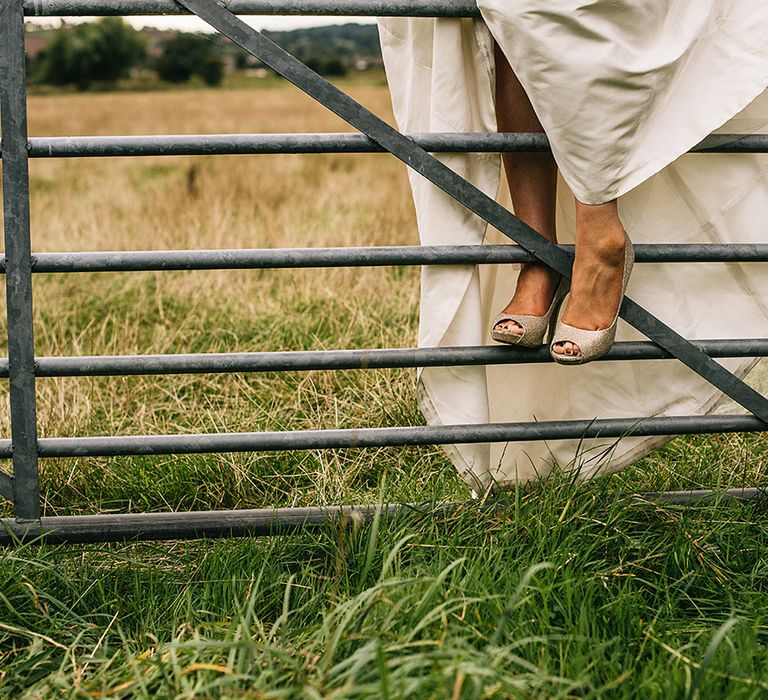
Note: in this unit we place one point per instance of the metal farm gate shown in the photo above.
(22, 367)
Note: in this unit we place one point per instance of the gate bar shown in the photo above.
(361, 8)
(464, 192)
(369, 256)
(254, 144)
(390, 358)
(207, 443)
(72, 529)
(18, 279)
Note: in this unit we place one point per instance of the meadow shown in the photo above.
(566, 591)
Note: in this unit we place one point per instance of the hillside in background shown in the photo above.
(354, 44)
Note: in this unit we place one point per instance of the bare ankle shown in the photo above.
(605, 241)
(539, 267)
(609, 249)
(602, 219)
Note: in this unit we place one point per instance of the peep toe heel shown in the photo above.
(592, 344)
(534, 327)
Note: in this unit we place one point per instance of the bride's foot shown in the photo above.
(596, 285)
(536, 287)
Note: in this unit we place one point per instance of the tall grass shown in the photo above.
(564, 591)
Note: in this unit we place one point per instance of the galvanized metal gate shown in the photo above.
(22, 367)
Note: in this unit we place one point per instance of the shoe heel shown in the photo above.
(535, 328)
(593, 344)
(553, 319)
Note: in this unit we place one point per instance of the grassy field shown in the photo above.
(564, 592)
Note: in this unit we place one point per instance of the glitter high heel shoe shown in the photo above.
(592, 344)
(534, 327)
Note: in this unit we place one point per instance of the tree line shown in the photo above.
(109, 49)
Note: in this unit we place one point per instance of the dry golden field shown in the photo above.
(217, 202)
(243, 202)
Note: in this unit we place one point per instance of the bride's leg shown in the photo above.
(532, 181)
(597, 270)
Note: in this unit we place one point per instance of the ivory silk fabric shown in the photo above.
(623, 88)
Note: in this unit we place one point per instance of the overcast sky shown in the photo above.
(193, 24)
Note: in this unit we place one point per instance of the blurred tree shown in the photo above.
(81, 54)
(327, 66)
(185, 55)
(241, 60)
(334, 66)
(211, 70)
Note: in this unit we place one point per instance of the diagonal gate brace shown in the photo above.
(464, 192)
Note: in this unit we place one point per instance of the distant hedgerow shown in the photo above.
(94, 51)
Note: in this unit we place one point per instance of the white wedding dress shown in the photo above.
(623, 88)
